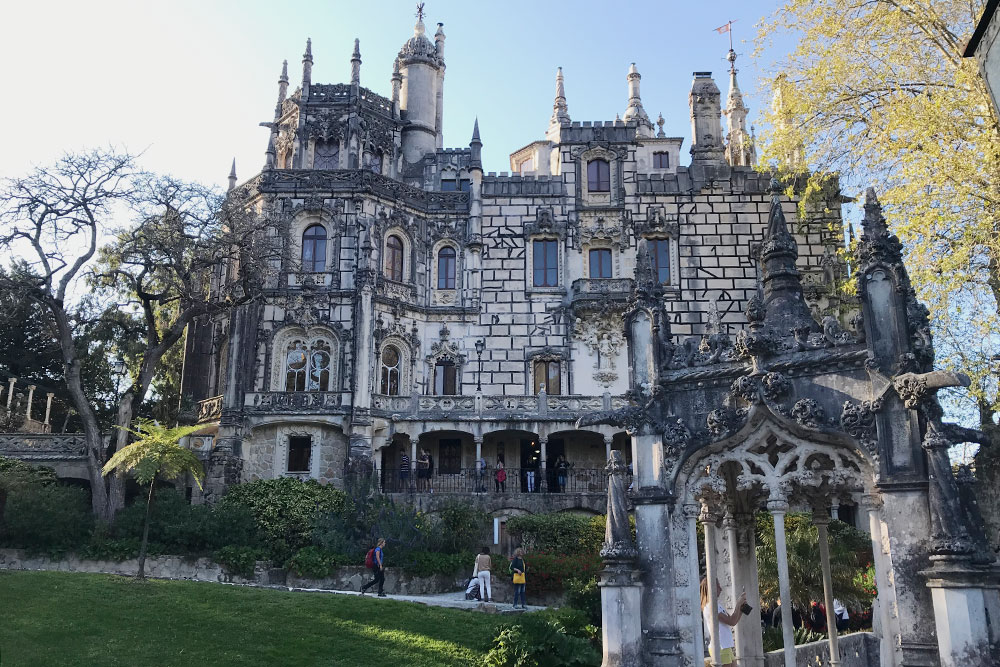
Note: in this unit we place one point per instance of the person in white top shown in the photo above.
(726, 623)
(482, 571)
(841, 614)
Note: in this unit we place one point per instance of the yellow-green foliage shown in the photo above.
(878, 91)
(156, 454)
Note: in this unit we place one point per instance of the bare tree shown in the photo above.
(190, 253)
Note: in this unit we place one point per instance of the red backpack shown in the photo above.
(370, 559)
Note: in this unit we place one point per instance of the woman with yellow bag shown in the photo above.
(517, 570)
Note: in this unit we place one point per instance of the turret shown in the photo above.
(706, 127)
(422, 71)
(560, 110)
(356, 63)
(740, 151)
(307, 68)
(282, 88)
(783, 298)
(634, 111)
(476, 146)
(232, 175)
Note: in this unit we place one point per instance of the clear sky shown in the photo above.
(187, 81)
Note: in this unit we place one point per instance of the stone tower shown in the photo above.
(421, 65)
(740, 150)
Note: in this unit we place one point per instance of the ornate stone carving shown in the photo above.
(858, 420)
(599, 228)
(725, 421)
(676, 436)
(618, 543)
(808, 412)
(658, 221)
(774, 385)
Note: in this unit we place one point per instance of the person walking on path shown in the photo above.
(518, 570)
(500, 477)
(378, 568)
(482, 571)
(726, 622)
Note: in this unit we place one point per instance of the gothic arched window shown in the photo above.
(372, 161)
(394, 258)
(314, 249)
(307, 368)
(599, 176)
(389, 381)
(445, 378)
(446, 268)
(326, 155)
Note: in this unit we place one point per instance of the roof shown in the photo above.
(984, 23)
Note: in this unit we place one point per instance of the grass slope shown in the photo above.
(61, 619)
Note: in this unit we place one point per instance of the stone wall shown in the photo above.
(859, 649)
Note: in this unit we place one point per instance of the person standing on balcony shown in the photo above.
(430, 471)
(529, 476)
(562, 471)
(422, 476)
(482, 571)
(481, 474)
(500, 477)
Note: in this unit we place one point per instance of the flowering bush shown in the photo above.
(551, 572)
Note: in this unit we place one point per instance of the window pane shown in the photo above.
(545, 264)
(444, 378)
(539, 375)
(449, 456)
(661, 260)
(299, 450)
(465, 185)
(598, 176)
(552, 386)
(661, 160)
(394, 258)
(600, 263)
(446, 268)
(449, 185)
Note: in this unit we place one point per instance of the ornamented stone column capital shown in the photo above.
(777, 505)
(871, 502)
(691, 510)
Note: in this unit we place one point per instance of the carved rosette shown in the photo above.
(808, 413)
(724, 422)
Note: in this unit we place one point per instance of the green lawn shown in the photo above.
(53, 618)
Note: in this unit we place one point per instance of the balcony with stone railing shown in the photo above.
(299, 402)
(541, 406)
(210, 410)
(593, 292)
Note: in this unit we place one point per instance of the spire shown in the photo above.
(659, 124)
(740, 150)
(232, 175)
(783, 299)
(283, 83)
(560, 110)
(356, 63)
(439, 41)
(397, 82)
(477, 146)
(307, 68)
(635, 111)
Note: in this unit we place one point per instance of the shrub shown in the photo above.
(774, 641)
(316, 563)
(46, 518)
(428, 563)
(550, 572)
(584, 595)
(285, 510)
(557, 533)
(460, 527)
(102, 547)
(240, 561)
(553, 639)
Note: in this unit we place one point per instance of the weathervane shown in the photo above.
(727, 28)
(420, 11)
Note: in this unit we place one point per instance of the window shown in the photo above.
(449, 185)
(314, 249)
(599, 176)
(545, 258)
(299, 453)
(600, 263)
(394, 259)
(326, 155)
(445, 378)
(389, 384)
(660, 252)
(526, 165)
(661, 160)
(308, 369)
(547, 374)
(446, 268)
(465, 185)
(449, 456)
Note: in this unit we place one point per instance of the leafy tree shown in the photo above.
(850, 554)
(156, 454)
(878, 91)
(189, 253)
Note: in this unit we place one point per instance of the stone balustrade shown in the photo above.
(540, 405)
(291, 402)
(210, 409)
(595, 291)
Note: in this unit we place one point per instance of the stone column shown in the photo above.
(778, 507)
(881, 605)
(478, 439)
(821, 521)
(543, 481)
(743, 572)
(10, 391)
(708, 520)
(31, 397)
(608, 439)
(691, 511)
(962, 612)
(48, 406)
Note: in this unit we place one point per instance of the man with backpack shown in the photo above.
(375, 561)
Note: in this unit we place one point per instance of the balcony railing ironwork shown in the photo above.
(470, 480)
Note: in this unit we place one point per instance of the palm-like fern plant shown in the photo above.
(156, 454)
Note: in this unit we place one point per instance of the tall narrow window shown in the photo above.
(319, 367)
(599, 176)
(661, 160)
(445, 378)
(394, 258)
(661, 259)
(389, 384)
(296, 363)
(600, 263)
(314, 249)
(545, 259)
(308, 369)
(449, 456)
(547, 374)
(465, 185)
(299, 453)
(326, 155)
(446, 268)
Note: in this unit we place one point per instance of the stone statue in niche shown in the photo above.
(618, 544)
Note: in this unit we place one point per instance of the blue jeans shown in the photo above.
(519, 592)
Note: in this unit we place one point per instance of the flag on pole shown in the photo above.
(724, 29)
